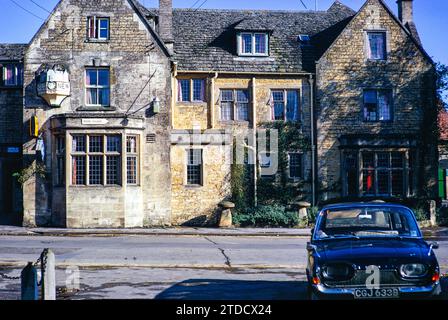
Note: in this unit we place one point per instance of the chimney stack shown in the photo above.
(166, 21)
(406, 11)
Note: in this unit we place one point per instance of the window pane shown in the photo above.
(368, 160)
(279, 109)
(265, 160)
(113, 170)
(131, 144)
(104, 28)
(260, 43)
(194, 164)
(79, 143)
(91, 27)
(95, 170)
(397, 182)
(246, 43)
(114, 143)
(397, 160)
(384, 106)
(242, 104)
(91, 77)
(383, 160)
(368, 182)
(92, 96)
(383, 182)
(227, 95)
(79, 170)
(131, 170)
(103, 97)
(377, 45)
(184, 90)
(226, 111)
(198, 90)
(292, 107)
(95, 143)
(295, 165)
(103, 77)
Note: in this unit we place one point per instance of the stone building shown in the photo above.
(11, 111)
(137, 109)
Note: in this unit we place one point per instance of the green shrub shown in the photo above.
(312, 214)
(266, 216)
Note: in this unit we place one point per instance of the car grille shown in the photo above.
(388, 278)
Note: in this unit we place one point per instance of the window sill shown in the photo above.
(234, 121)
(378, 121)
(184, 104)
(97, 41)
(96, 186)
(20, 86)
(193, 186)
(96, 108)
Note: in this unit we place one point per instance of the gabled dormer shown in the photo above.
(252, 37)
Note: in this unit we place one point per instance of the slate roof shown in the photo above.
(205, 40)
(12, 52)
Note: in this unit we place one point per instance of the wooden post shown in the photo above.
(49, 278)
(29, 283)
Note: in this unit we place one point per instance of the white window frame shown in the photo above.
(235, 104)
(87, 87)
(17, 74)
(97, 24)
(253, 53)
(367, 45)
(285, 105)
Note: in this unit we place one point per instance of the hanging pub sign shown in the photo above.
(53, 84)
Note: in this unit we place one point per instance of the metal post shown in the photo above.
(49, 277)
(29, 283)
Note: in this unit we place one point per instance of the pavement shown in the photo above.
(173, 231)
(430, 232)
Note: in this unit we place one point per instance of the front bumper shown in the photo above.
(430, 290)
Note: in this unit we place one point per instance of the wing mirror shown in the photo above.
(434, 245)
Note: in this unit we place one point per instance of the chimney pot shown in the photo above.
(406, 11)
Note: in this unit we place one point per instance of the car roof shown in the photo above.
(363, 205)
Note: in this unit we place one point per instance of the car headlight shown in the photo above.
(413, 270)
(337, 272)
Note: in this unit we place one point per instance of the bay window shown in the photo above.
(96, 159)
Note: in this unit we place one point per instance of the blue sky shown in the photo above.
(18, 26)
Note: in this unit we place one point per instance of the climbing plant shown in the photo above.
(280, 190)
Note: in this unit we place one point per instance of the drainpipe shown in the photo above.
(313, 143)
(212, 100)
(173, 92)
(254, 138)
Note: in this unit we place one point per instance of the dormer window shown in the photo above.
(98, 28)
(253, 44)
(304, 39)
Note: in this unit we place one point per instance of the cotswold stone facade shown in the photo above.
(131, 115)
(95, 189)
(351, 147)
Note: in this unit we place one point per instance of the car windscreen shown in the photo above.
(367, 222)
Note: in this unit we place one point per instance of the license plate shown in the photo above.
(386, 293)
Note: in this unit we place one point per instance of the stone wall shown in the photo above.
(133, 56)
(188, 202)
(342, 74)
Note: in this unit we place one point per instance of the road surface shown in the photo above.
(168, 267)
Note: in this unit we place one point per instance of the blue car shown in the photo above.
(370, 251)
